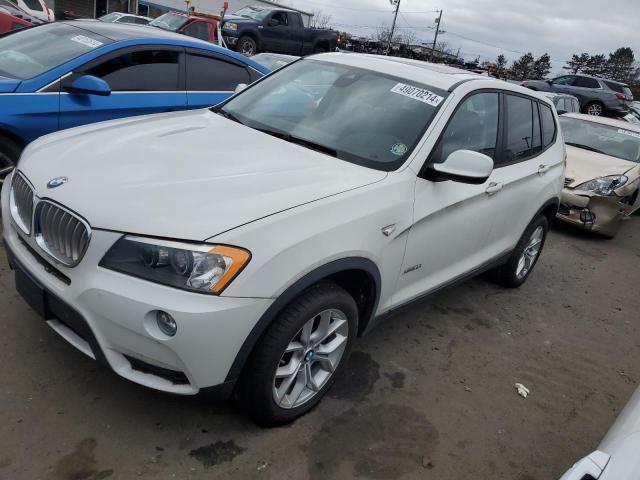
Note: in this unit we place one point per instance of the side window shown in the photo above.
(126, 20)
(548, 125)
(586, 82)
(144, 70)
(140, 21)
(520, 136)
(566, 80)
(210, 74)
(474, 126)
(280, 17)
(198, 30)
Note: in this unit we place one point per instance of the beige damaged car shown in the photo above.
(603, 172)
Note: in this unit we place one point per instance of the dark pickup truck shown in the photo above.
(263, 29)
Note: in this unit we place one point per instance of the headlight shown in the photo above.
(604, 185)
(196, 267)
(230, 26)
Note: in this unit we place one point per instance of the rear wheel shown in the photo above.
(9, 155)
(300, 355)
(595, 108)
(247, 46)
(524, 257)
(320, 49)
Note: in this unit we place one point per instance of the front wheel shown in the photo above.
(247, 46)
(524, 257)
(300, 355)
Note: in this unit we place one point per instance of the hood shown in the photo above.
(8, 85)
(188, 175)
(583, 165)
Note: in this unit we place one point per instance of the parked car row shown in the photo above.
(12, 17)
(597, 96)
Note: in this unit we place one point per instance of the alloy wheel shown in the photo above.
(247, 49)
(595, 109)
(310, 359)
(530, 253)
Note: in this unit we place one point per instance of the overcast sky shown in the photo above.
(512, 27)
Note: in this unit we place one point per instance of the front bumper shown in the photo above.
(594, 213)
(107, 315)
(230, 40)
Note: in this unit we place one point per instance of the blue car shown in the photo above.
(65, 74)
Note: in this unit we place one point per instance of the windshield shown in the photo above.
(28, 53)
(361, 116)
(169, 21)
(110, 17)
(253, 13)
(613, 141)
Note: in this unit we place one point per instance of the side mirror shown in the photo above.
(274, 22)
(240, 87)
(89, 85)
(561, 111)
(466, 166)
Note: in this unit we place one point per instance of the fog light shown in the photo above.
(587, 216)
(166, 323)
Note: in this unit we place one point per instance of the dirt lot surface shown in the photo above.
(429, 394)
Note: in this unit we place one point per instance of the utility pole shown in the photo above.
(393, 26)
(435, 38)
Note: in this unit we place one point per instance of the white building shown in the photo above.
(153, 8)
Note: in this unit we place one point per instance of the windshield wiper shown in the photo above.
(585, 147)
(225, 114)
(300, 141)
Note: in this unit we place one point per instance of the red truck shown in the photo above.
(201, 27)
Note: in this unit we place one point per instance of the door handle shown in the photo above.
(493, 188)
(542, 169)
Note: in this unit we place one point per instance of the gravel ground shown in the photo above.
(429, 394)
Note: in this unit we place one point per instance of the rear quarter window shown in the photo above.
(548, 125)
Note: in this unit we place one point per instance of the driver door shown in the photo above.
(452, 220)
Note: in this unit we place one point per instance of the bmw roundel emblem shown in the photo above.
(56, 182)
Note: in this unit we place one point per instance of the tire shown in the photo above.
(247, 46)
(511, 275)
(9, 155)
(320, 49)
(259, 385)
(595, 108)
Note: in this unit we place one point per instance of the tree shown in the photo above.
(319, 19)
(577, 63)
(541, 67)
(383, 32)
(621, 65)
(501, 65)
(596, 65)
(522, 69)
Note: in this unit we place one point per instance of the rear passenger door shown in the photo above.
(213, 78)
(523, 168)
(585, 89)
(143, 80)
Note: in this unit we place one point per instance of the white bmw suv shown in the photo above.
(245, 247)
